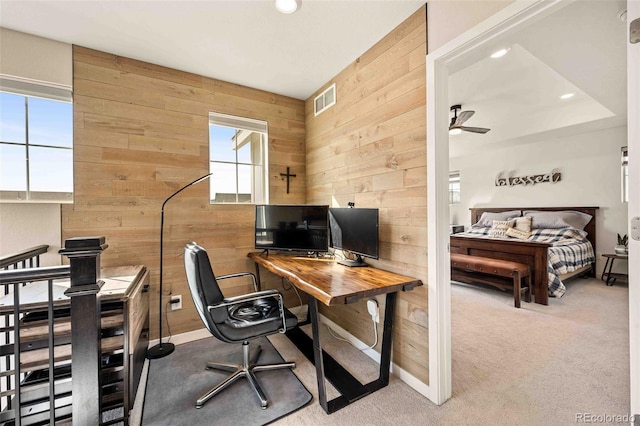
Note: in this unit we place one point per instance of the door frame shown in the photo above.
(633, 144)
(439, 276)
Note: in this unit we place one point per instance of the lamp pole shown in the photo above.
(163, 349)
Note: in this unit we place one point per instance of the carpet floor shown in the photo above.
(182, 378)
(538, 365)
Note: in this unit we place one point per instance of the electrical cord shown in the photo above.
(166, 319)
(375, 334)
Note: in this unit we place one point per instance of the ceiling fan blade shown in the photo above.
(464, 116)
(474, 129)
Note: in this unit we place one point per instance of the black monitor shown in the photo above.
(354, 230)
(292, 228)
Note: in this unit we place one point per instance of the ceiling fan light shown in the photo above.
(499, 53)
(287, 6)
(455, 131)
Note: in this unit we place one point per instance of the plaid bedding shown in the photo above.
(570, 251)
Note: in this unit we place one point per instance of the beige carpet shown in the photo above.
(538, 365)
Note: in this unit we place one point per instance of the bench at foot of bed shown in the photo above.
(503, 274)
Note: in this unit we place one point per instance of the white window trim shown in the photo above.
(253, 125)
(50, 91)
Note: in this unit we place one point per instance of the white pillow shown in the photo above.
(518, 233)
(559, 219)
(523, 223)
(487, 218)
(499, 228)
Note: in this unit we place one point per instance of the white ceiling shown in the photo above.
(247, 42)
(579, 49)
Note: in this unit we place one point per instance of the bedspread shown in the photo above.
(570, 251)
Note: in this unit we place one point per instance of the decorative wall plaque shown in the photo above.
(552, 177)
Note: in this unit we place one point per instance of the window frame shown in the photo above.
(454, 181)
(27, 91)
(624, 173)
(259, 157)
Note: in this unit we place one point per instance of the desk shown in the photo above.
(610, 277)
(331, 284)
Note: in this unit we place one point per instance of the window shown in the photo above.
(36, 146)
(625, 175)
(454, 187)
(237, 159)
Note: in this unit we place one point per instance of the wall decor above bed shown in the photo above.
(552, 177)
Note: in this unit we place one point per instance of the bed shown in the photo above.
(554, 255)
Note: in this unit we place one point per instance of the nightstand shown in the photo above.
(610, 277)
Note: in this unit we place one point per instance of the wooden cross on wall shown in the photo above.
(287, 175)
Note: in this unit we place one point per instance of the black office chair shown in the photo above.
(235, 320)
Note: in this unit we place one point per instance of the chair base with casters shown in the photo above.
(247, 369)
(237, 319)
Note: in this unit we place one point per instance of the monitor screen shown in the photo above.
(292, 227)
(354, 230)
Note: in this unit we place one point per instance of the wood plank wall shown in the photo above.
(141, 133)
(370, 148)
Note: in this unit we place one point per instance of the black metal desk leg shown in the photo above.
(387, 337)
(317, 353)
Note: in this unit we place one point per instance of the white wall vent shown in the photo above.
(325, 100)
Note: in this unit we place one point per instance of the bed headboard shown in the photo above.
(476, 212)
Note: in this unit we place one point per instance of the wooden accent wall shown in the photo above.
(140, 133)
(370, 148)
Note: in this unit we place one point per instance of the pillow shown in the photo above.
(559, 219)
(499, 228)
(523, 224)
(518, 233)
(487, 218)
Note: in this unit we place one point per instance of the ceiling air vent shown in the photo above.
(325, 100)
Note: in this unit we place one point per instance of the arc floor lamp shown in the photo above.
(163, 349)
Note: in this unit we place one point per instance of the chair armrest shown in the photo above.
(241, 274)
(231, 301)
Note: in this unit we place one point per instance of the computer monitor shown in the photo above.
(354, 230)
(292, 227)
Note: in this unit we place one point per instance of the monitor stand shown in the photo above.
(358, 262)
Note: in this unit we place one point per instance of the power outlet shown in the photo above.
(374, 311)
(176, 302)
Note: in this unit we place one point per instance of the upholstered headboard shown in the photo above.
(590, 229)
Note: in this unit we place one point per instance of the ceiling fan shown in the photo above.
(456, 127)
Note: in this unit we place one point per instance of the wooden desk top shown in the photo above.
(118, 285)
(331, 283)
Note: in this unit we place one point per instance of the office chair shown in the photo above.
(235, 319)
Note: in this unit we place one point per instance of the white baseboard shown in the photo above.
(187, 337)
(397, 371)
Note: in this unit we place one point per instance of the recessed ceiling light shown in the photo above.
(567, 96)
(287, 6)
(499, 53)
(454, 132)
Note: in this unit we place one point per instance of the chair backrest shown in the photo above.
(204, 287)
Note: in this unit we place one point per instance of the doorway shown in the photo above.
(439, 65)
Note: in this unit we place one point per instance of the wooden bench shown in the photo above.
(481, 269)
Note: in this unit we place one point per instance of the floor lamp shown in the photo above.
(164, 349)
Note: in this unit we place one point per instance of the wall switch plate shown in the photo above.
(175, 305)
(635, 228)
